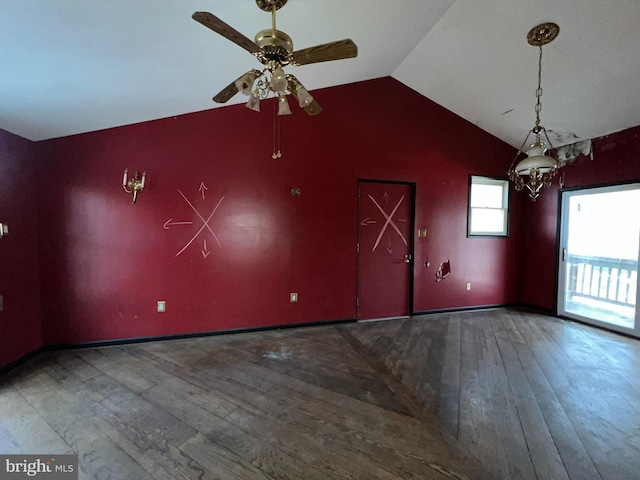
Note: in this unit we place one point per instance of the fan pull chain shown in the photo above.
(276, 132)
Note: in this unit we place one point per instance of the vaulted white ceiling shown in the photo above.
(71, 66)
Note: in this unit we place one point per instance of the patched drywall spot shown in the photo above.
(444, 270)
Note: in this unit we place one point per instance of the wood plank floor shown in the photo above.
(501, 394)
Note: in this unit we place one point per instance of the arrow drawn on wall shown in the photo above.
(205, 223)
(388, 222)
(205, 250)
(169, 223)
(202, 188)
(386, 198)
(389, 249)
(367, 221)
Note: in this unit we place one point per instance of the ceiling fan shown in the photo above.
(274, 49)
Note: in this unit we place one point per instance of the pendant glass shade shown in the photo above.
(535, 171)
(283, 106)
(536, 161)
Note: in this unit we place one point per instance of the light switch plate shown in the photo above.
(162, 306)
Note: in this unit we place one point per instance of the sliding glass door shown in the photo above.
(599, 252)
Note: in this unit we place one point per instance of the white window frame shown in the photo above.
(478, 180)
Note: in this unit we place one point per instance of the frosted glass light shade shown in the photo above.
(536, 160)
(283, 106)
(279, 81)
(254, 102)
(304, 98)
(245, 83)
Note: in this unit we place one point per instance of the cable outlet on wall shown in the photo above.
(468, 285)
(162, 306)
(294, 297)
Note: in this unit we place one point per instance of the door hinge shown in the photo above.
(357, 247)
(358, 302)
(358, 192)
(564, 254)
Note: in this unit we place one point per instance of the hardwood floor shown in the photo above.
(501, 394)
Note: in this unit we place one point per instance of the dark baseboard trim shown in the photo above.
(181, 336)
(20, 361)
(127, 341)
(466, 309)
(536, 309)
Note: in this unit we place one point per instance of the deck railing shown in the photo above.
(606, 279)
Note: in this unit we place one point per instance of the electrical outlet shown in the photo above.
(294, 297)
(468, 285)
(422, 233)
(162, 306)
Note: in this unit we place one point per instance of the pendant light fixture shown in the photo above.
(541, 163)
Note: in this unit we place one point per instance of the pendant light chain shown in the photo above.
(539, 93)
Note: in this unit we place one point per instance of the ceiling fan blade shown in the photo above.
(214, 23)
(228, 92)
(313, 108)
(325, 52)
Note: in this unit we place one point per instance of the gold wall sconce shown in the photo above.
(295, 192)
(133, 185)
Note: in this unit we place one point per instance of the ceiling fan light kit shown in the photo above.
(274, 49)
(283, 106)
(541, 164)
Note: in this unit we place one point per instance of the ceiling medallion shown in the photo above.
(267, 5)
(542, 34)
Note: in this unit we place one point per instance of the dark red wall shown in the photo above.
(20, 329)
(616, 158)
(105, 263)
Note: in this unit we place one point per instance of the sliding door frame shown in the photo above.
(560, 277)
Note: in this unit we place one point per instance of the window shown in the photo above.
(488, 207)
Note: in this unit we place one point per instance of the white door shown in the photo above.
(599, 252)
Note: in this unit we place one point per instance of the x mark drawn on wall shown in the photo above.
(205, 224)
(389, 221)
